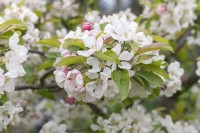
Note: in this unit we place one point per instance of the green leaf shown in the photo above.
(73, 44)
(109, 55)
(160, 39)
(152, 78)
(21, 3)
(102, 26)
(156, 69)
(121, 80)
(4, 98)
(46, 94)
(139, 80)
(46, 64)
(134, 46)
(143, 58)
(154, 46)
(53, 42)
(70, 61)
(13, 24)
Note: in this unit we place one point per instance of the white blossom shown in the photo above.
(9, 114)
(51, 127)
(174, 84)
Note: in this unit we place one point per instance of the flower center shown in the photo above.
(98, 81)
(5, 113)
(102, 65)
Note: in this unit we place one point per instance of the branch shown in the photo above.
(52, 87)
(96, 109)
(180, 42)
(45, 75)
(36, 52)
(192, 78)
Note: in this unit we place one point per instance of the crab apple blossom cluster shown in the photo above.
(91, 59)
(136, 120)
(12, 60)
(94, 16)
(21, 13)
(171, 16)
(174, 84)
(9, 114)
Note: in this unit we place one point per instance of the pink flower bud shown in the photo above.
(86, 26)
(65, 70)
(70, 100)
(161, 9)
(67, 53)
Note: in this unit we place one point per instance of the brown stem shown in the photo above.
(45, 75)
(96, 109)
(36, 52)
(52, 87)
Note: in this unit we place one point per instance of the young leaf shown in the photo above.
(156, 69)
(73, 44)
(121, 80)
(134, 46)
(160, 39)
(13, 24)
(70, 61)
(143, 58)
(53, 42)
(109, 55)
(152, 78)
(102, 26)
(4, 98)
(154, 46)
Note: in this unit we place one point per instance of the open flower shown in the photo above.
(60, 76)
(121, 29)
(16, 56)
(74, 82)
(6, 84)
(124, 57)
(98, 85)
(93, 44)
(100, 66)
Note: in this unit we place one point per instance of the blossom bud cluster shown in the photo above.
(100, 51)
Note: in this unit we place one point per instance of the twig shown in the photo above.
(192, 78)
(180, 42)
(52, 87)
(45, 75)
(96, 109)
(36, 52)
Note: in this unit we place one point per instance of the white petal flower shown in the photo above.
(111, 91)
(97, 87)
(93, 44)
(94, 62)
(52, 127)
(9, 114)
(73, 83)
